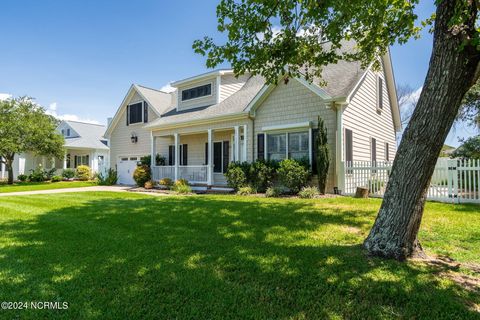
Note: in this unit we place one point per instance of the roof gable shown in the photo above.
(158, 101)
(88, 135)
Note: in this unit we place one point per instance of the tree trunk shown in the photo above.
(9, 165)
(451, 73)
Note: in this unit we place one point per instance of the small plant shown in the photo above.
(37, 175)
(166, 182)
(149, 184)
(272, 192)
(236, 177)
(108, 179)
(83, 173)
(182, 188)
(56, 179)
(181, 182)
(142, 175)
(22, 177)
(68, 173)
(245, 191)
(293, 175)
(49, 173)
(308, 192)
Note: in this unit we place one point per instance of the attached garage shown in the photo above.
(126, 166)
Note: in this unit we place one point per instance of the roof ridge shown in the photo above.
(158, 90)
(83, 122)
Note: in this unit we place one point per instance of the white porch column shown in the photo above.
(236, 154)
(210, 158)
(245, 142)
(175, 154)
(65, 162)
(339, 164)
(153, 149)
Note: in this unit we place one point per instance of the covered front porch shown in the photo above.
(200, 157)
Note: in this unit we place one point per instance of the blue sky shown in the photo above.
(79, 58)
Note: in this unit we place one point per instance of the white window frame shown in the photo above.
(180, 98)
(287, 132)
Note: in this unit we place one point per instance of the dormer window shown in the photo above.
(197, 92)
(137, 113)
(66, 133)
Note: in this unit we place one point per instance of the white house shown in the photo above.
(84, 144)
(215, 118)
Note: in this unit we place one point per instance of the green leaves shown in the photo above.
(273, 38)
(24, 127)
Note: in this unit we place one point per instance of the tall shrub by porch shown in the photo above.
(322, 159)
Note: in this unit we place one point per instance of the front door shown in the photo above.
(217, 157)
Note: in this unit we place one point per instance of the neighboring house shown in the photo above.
(215, 118)
(84, 144)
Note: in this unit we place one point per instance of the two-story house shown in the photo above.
(215, 118)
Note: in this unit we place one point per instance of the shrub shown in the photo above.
(149, 184)
(272, 192)
(56, 179)
(108, 179)
(83, 173)
(166, 182)
(48, 174)
(293, 175)
(68, 173)
(147, 160)
(37, 175)
(308, 192)
(236, 177)
(181, 182)
(323, 157)
(141, 175)
(22, 177)
(182, 188)
(245, 191)
(261, 175)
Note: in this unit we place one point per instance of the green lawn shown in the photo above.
(133, 256)
(33, 186)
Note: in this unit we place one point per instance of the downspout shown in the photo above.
(339, 165)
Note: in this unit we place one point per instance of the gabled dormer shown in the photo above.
(206, 89)
(67, 131)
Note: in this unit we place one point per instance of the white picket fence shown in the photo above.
(454, 180)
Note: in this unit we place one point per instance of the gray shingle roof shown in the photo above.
(340, 79)
(159, 100)
(89, 136)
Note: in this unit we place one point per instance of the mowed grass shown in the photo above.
(34, 186)
(132, 256)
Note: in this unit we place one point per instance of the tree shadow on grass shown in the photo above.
(213, 257)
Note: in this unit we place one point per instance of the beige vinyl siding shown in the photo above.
(229, 85)
(197, 102)
(120, 143)
(294, 103)
(361, 116)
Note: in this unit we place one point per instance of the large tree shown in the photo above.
(24, 127)
(273, 37)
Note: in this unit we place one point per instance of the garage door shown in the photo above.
(125, 168)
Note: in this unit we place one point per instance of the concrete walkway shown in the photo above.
(84, 189)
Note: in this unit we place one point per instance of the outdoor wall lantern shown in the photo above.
(134, 138)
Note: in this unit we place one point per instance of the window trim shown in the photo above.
(142, 112)
(287, 133)
(379, 93)
(197, 86)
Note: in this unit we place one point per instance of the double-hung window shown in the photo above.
(292, 145)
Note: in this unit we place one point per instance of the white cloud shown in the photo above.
(167, 88)
(5, 96)
(52, 110)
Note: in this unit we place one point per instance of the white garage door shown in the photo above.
(125, 168)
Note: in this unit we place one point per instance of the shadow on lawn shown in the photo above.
(213, 257)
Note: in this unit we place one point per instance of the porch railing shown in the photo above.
(160, 172)
(195, 174)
